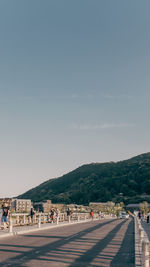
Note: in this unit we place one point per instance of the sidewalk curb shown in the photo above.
(6, 235)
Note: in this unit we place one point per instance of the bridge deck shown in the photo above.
(95, 243)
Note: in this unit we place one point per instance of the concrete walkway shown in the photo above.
(96, 243)
(33, 228)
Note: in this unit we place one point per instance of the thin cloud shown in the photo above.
(110, 96)
(85, 126)
(78, 96)
(100, 96)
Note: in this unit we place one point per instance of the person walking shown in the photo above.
(139, 215)
(148, 217)
(52, 215)
(92, 214)
(68, 214)
(32, 213)
(5, 216)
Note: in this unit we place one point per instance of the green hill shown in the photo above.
(127, 181)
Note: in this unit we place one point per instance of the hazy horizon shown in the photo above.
(74, 87)
(73, 170)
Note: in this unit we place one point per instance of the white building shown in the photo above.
(21, 205)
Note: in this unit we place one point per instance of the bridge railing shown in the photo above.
(142, 245)
(21, 219)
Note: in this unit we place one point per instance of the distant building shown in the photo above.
(47, 205)
(43, 206)
(5, 200)
(21, 205)
(38, 206)
(60, 207)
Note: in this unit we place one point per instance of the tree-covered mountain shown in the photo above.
(127, 181)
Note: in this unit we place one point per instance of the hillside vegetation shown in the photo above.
(127, 181)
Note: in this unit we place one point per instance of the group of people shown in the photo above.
(4, 216)
(53, 215)
(142, 217)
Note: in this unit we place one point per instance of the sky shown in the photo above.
(74, 86)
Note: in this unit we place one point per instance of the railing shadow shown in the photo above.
(126, 254)
(63, 249)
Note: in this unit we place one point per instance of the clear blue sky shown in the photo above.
(74, 86)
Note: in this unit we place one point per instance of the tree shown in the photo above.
(144, 207)
(110, 207)
(118, 208)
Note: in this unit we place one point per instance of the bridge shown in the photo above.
(72, 242)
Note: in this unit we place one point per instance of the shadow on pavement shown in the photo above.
(126, 255)
(63, 250)
(91, 254)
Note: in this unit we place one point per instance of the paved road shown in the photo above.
(97, 243)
